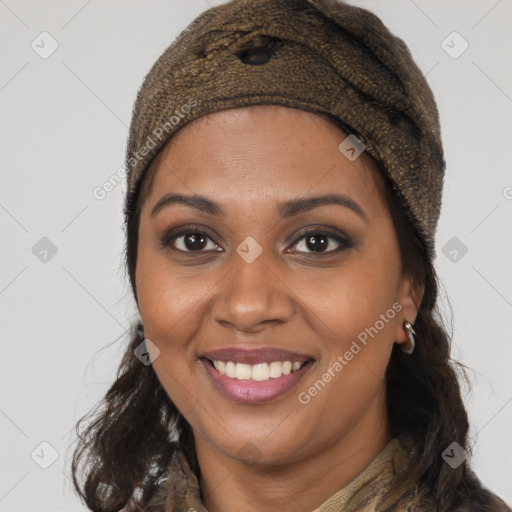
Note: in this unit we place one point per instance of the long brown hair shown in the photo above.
(131, 435)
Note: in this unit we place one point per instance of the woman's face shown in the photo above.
(246, 264)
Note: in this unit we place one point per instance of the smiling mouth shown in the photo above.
(255, 375)
(260, 372)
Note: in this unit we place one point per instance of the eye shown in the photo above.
(322, 241)
(189, 240)
(315, 241)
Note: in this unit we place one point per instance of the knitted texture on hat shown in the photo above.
(322, 56)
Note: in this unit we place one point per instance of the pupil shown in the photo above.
(312, 245)
(192, 240)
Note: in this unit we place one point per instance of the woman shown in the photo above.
(285, 172)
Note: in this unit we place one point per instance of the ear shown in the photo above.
(409, 296)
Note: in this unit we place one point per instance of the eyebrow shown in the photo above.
(285, 209)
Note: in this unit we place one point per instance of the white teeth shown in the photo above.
(220, 366)
(243, 371)
(275, 369)
(257, 372)
(230, 369)
(260, 372)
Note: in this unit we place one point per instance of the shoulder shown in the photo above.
(481, 500)
(148, 508)
(475, 497)
(470, 495)
(478, 501)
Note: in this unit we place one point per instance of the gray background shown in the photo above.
(63, 132)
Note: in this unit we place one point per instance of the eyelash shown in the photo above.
(344, 242)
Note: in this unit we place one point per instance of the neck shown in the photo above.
(229, 484)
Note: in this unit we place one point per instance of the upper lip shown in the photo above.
(254, 356)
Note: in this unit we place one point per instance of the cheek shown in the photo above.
(170, 309)
(352, 298)
(355, 312)
(358, 343)
(167, 302)
(169, 306)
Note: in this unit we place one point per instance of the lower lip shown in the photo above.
(249, 391)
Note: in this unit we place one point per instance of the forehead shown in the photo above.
(259, 153)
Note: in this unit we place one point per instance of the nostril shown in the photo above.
(256, 56)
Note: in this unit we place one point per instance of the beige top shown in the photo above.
(371, 490)
(375, 489)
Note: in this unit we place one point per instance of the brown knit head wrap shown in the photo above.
(322, 56)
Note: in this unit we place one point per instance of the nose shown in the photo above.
(253, 296)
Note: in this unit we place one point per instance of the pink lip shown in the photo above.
(255, 356)
(248, 391)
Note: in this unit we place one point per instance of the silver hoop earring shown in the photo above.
(410, 332)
